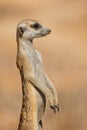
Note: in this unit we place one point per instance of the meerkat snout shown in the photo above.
(49, 31)
(30, 29)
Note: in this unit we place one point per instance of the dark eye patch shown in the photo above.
(36, 25)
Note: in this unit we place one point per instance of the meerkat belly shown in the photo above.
(36, 102)
(40, 104)
(40, 71)
(41, 99)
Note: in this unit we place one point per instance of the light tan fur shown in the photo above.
(36, 86)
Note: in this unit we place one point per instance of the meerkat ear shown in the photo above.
(21, 30)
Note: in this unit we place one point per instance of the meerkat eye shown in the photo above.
(36, 25)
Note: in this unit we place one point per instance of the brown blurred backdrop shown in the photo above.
(64, 53)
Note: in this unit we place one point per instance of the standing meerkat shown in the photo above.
(36, 86)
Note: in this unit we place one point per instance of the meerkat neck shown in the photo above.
(23, 43)
(26, 42)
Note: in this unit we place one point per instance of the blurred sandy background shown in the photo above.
(64, 53)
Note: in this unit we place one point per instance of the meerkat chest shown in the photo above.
(39, 64)
(33, 56)
(38, 57)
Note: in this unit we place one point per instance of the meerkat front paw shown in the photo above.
(55, 105)
(53, 102)
(55, 108)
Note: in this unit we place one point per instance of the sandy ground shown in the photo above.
(64, 54)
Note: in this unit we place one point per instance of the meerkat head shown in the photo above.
(30, 29)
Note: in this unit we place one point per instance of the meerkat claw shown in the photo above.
(54, 108)
(57, 107)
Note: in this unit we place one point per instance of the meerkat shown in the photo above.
(36, 86)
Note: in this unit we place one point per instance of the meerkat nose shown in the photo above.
(49, 31)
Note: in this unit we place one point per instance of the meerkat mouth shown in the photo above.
(44, 34)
